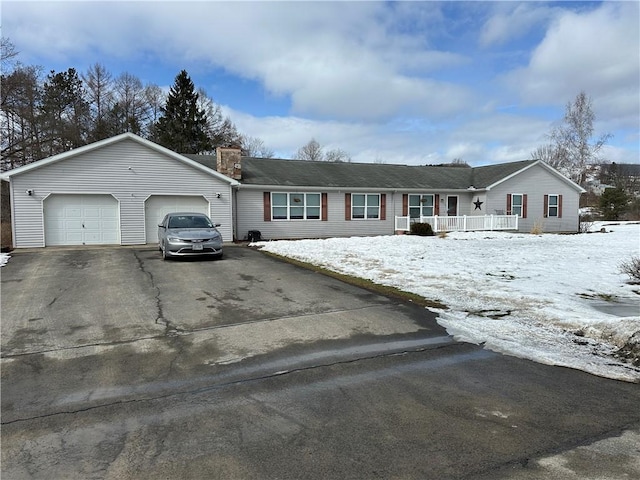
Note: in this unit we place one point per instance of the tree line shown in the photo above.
(47, 114)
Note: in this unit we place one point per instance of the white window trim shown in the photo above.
(556, 206)
(513, 205)
(366, 206)
(288, 206)
(420, 195)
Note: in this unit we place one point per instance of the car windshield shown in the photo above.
(189, 221)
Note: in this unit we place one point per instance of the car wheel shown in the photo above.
(164, 252)
(218, 256)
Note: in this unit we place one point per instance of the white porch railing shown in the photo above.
(463, 223)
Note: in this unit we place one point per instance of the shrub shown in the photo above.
(631, 268)
(422, 229)
(537, 228)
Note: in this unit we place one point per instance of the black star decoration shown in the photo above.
(478, 204)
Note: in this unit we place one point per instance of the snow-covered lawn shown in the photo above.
(546, 297)
(4, 258)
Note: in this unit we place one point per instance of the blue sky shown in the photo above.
(393, 82)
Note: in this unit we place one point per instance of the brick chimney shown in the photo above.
(229, 162)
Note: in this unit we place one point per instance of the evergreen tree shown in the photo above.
(65, 112)
(614, 202)
(182, 126)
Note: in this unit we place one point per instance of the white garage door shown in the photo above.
(81, 220)
(157, 206)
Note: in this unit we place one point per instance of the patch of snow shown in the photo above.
(4, 258)
(532, 296)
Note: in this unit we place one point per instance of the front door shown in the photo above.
(452, 205)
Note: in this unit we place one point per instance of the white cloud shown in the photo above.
(511, 21)
(391, 81)
(489, 139)
(598, 52)
(344, 60)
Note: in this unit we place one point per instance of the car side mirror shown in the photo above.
(160, 225)
(216, 224)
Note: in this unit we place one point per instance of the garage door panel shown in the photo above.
(157, 206)
(81, 220)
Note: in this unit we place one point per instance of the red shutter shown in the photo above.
(405, 205)
(524, 206)
(436, 209)
(509, 204)
(559, 206)
(545, 206)
(383, 206)
(325, 213)
(347, 206)
(267, 206)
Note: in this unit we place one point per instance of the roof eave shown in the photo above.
(109, 141)
(544, 165)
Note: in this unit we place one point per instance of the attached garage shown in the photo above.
(157, 206)
(81, 220)
(112, 192)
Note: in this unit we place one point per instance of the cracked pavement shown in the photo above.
(116, 364)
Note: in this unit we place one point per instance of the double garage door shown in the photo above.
(81, 220)
(95, 219)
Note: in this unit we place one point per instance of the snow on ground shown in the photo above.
(4, 258)
(555, 299)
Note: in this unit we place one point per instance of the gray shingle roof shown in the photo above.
(302, 173)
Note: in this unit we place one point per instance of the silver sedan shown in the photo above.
(184, 234)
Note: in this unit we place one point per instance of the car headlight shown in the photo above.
(173, 239)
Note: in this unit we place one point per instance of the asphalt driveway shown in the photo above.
(118, 365)
(131, 318)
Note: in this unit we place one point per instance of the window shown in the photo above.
(553, 206)
(516, 204)
(365, 205)
(552, 210)
(295, 206)
(421, 206)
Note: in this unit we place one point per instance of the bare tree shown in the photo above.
(99, 87)
(7, 52)
(21, 132)
(221, 130)
(129, 112)
(155, 98)
(255, 147)
(337, 155)
(571, 145)
(311, 151)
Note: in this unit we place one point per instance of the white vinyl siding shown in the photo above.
(131, 172)
(536, 182)
(250, 216)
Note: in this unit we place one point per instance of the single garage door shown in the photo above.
(81, 220)
(157, 206)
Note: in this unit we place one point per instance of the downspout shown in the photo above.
(234, 212)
